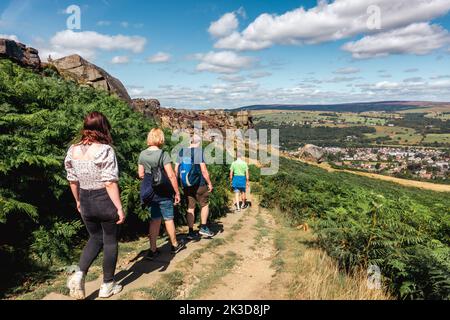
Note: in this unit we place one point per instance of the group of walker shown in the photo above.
(93, 174)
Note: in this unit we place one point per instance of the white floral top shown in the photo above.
(92, 174)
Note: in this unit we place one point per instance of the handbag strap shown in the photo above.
(160, 164)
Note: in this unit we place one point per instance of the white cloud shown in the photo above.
(9, 37)
(232, 78)
(418, 39)
(160, 57)
(224, 26)
(347, 70)
(259, 74)
(87, 43)
(124, 24)
(341, 79)
(231, 95)
(223, 62)
(120, 60)
(330, 21)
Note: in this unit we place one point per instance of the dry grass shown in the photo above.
(317, 277)
(309, 273)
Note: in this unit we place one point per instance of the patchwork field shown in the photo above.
(401, 135)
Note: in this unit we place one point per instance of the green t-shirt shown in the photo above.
(149, 159)
(239, 168)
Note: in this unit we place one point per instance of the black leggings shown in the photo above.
(100, 216)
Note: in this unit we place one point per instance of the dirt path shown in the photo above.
(256, 255)
(210, 269)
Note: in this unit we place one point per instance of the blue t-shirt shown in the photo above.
(199, 158)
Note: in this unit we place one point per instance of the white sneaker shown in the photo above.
(109, 289)
(75, 283)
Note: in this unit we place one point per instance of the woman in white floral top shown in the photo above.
(93, 174)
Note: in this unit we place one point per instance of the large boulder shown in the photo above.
(311, 152)
(20, 53)
(86, 73)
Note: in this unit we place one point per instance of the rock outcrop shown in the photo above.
(20, 53)
(86, 73)
(311, 152)
(184, 119)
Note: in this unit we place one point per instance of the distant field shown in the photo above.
(304, 116)
(431, 109)
(439, 138)
(441, 116)
(401, 135)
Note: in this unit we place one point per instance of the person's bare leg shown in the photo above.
(170, 228)
(244, 198)
(205, 214)
(237, 200)
(190, 216)
(155, 226)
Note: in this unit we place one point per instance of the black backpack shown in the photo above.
(153, 182)
(158, 173)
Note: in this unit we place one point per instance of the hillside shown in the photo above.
(387, 106)
(40, 115)
(356, 222)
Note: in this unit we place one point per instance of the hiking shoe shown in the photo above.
(245, 206)
(109, 289)
(75, 284)
(152, 255)
(192, 236)
(237, 208)
(206, 232)
(181, 246)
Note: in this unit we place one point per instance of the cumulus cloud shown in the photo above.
(417, 38)
(160, 57)
(120, 60)
(340, 19)
(9, 37)
(224, 26)
(223, 62)
(87, 43)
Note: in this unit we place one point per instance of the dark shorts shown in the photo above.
(162, 209)
(195, 195)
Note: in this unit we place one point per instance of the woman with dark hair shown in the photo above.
(93, 174)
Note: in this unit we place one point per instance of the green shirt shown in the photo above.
(239, 168)
(149, 159)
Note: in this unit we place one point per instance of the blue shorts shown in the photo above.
(163, 209)
(239, 184)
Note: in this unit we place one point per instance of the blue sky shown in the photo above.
(222, 54)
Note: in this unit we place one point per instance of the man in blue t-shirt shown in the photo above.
(198, 193)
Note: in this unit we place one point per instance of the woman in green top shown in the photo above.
(239, 177)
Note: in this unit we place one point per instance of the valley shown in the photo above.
(399, 143)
